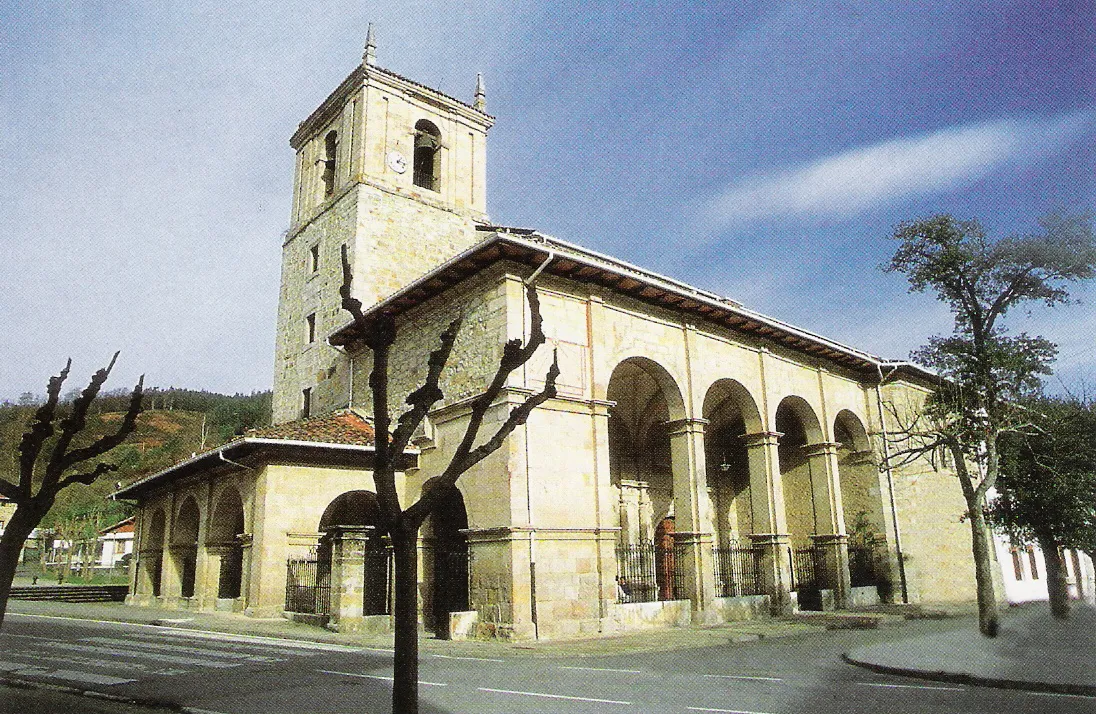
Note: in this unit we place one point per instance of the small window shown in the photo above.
(1017, 565)
(427, 166)
(306, 402)
(1033, 563)
(310, 322)
(331, 152)
(314, 258)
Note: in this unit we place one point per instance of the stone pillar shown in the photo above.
(770, 523)
(208, 579)
(606, 511)
(829, 517)
(348, 545)
(835, 560)
(247, 540)
(171, 584)
(693, 545)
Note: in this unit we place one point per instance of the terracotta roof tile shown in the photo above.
(342, 427)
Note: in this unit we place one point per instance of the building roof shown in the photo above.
(551, 255)
(343, 438)
(122, 526)
(342, 427)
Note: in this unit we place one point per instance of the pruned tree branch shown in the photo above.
(426, 396)
(30, 446)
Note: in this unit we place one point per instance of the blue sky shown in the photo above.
(761, 150)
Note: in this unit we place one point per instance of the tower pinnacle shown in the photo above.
(481, 94)
(369, 57)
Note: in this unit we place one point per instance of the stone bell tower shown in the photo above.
(393, 170)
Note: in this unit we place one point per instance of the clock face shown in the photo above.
(397, 162)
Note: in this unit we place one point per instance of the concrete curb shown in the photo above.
(974, 679)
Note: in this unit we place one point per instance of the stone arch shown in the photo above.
(445, 561)
(646, 398)
(152, 556)
(731, 413)
(426, 163)
(861, 495)
(225, 528)
(184, 544)
(799, 427)
(358, 509)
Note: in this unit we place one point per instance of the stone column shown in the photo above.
(348, 545)
(829, 517)
(770, 523)
(692, 544)
(247, 541)
(207, 580)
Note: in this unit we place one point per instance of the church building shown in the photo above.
(701, 461)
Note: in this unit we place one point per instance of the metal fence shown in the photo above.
(647, 572)
(379, 577)
(308, 585)
(737, 570)
(809, 570)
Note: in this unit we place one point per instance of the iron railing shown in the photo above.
(647, 572)
(308, 585)
(737, 570)
(379, 577)
(809, 571)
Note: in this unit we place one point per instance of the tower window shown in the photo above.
(427, 168)
(306, 402)
(310, 323)
(314, 258)
(331, 152)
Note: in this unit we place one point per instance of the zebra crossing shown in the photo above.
(102, 660)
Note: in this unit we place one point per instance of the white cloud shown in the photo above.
(849, 183)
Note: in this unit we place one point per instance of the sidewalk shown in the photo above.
(1033, 651)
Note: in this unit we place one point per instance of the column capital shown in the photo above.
(770, 538)
(761, 438)
(821, 448)
(829, 538)
(350, 532)
(688, 424)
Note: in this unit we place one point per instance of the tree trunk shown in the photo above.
(981, 545)
(1057, 587)
(405, 685)
(11, 544)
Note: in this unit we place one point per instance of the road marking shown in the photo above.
(723, 711)
(220, 636)
(911, 686)
(473, 659)
(742, 676)
(601, 669)
(178, 648)
(71, 675)
(377, 676)
(554, 696)
(1060, 694)
(133, 654)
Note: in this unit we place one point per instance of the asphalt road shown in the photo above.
(229, 674)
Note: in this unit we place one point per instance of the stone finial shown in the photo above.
(370, 55)
(481, 94)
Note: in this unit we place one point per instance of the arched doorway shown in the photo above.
(645, 400)
(800, 428)
(356, 509)
(862, 499)
(447, 554)
(185, 545)
(152, 557)
(225, 531)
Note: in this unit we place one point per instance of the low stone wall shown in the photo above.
(746, 607)
(651, 615)
(864, 596)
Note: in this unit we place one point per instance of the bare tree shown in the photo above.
(378, 334)
(50, 461)
(987, 374)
